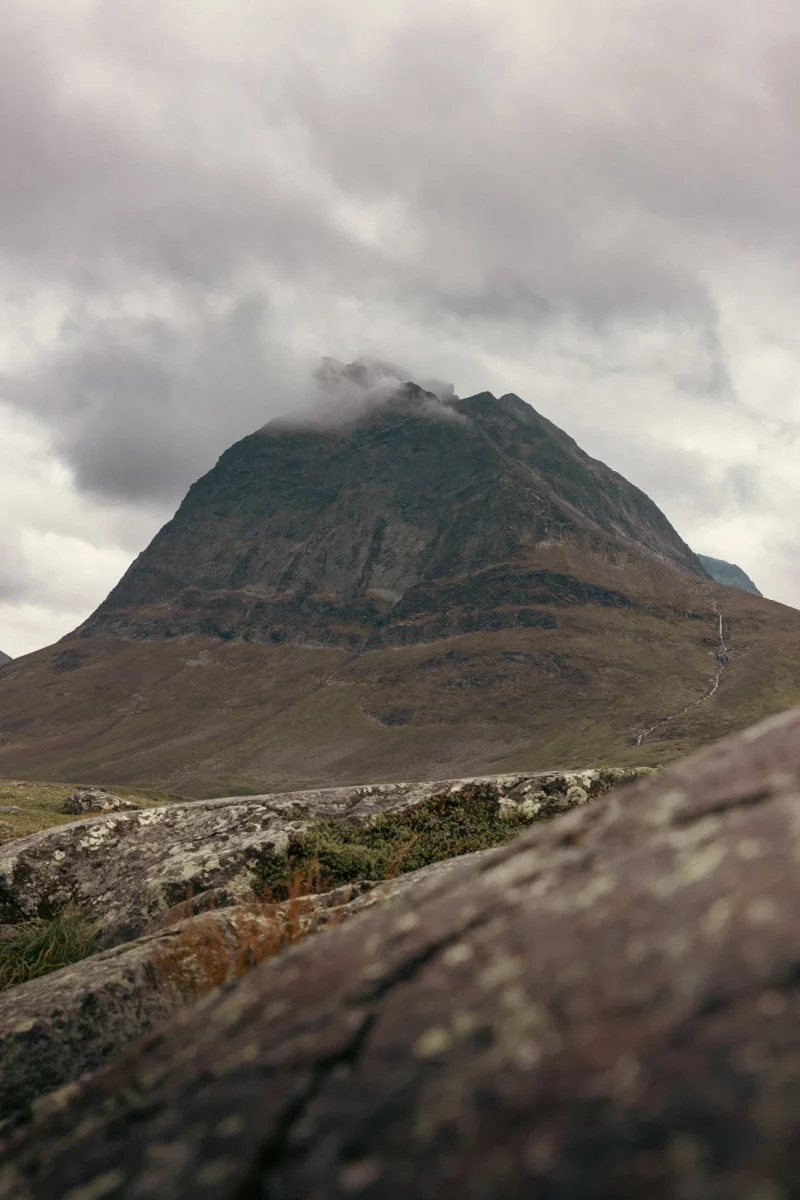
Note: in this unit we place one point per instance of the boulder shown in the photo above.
(605, 1007)
(95, 800)
(56, 1028)
(126, 868)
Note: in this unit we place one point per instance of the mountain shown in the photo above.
(729, 574)
(419, 514)
(4, 658)
(431, 587)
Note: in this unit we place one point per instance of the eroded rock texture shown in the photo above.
(606, 1007)
(96, 800)
(55, 1029)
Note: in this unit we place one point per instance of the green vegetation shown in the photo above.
(39, 805)
(329, 854)
(36, 948)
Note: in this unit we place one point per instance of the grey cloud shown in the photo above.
(214, 212)
(600, 184)
(100, 199)
(15, 574)
(686, 483)
(139, 408)
(743, 486)
(343, 392)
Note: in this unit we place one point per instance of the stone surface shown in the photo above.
(126, 868)
(606, 1008)
(96, 800)
(54, 1029)
(10, 808)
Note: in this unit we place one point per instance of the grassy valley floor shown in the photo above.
(26, 807)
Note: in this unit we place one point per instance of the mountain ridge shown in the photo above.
(728, 573)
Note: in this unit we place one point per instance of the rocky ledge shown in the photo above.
(56, 1028)
(128, 868)
(175, 892)
(605, 1007)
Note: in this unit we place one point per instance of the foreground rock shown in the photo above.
(125, 869)
(95, 800)
(605, 1008)
(54, 1029)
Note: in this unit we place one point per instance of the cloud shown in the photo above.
(138, 407)
(338, 393)
(198, 201)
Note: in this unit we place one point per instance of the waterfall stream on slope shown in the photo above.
(722, 662)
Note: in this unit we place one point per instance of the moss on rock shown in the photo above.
(329, 854)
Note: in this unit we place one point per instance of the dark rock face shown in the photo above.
(605, 1008)
(729, 574)
(5, 659)
(340, 535)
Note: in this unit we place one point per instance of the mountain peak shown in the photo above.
(337, 530)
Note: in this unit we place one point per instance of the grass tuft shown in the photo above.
(36, 948)
(213, 948)
(31, 807)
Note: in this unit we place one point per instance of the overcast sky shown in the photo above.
(592, 203)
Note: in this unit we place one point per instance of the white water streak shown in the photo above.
(722, 662)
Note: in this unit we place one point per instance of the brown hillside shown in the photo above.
(206, 716)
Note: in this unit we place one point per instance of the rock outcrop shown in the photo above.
(606, 1007)
(96, 800)
(4, 660)
(126, 869)
(56, 1028)
(729, 574)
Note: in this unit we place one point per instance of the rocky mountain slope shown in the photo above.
(4, 658)
(364, 535)
(729, 574)
(426, 589)
(605, 1007)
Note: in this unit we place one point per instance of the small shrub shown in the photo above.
(332, 853)
(36, 948)
(205, 954)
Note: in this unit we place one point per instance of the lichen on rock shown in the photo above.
(125, 868)
(605, 1006)
(96, 800)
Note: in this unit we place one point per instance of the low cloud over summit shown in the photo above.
(339, 392)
